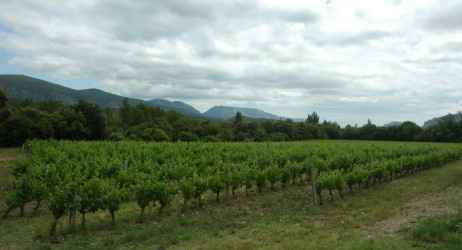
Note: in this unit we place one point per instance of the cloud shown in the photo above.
(348, 60)
(445, 16)
(365, 36)
(358, 99)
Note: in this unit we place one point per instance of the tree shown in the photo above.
(260, 135)
(94, 120)
(409, 131)
(238, 117)
(368, 131)
(187, 136)
(125, 112)
(4, 111)
(350, 132)
(11, 132)
(35, 123)
(332, 129)
(313, 118)
(154, 134)
(70, 125)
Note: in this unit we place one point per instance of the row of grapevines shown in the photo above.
(85, 177)
(386, 169)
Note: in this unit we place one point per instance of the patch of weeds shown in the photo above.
(40, 235)
(447, 232)
(41, 246)
(217, 233)
(267, 202)
(377, 244)
(109, 242)
(430, 231)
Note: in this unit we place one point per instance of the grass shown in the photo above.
(281, 219)
(7, 157)
(445, 233)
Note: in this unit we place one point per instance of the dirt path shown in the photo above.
(447, 202)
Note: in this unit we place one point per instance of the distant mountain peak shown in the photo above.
(25, 87)
(225, 112)
(176, 105)
(391, 124)
(434, 121)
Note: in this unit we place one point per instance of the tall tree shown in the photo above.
(69, 124)
(125, 112)
(94, 120)
(4, 111)
(238, 117)
(313, 118)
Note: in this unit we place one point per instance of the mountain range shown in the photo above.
(434, 121)
(25, 87)
(224, 112)
(391, 124)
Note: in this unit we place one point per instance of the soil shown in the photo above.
(414, 211)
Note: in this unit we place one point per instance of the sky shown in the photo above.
(347, 60)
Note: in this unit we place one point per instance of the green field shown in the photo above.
(265, 198)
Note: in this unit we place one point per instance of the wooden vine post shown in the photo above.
(313, 185)
(312, 179)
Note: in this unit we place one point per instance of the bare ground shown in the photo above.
(445, 203)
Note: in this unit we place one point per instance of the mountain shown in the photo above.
(224, 112)
(25, 87)
(434, 121)
(176, 105)
(391, 124)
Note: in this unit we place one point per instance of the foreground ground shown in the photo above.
(386, 216)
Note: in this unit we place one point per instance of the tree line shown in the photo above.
(21, 120)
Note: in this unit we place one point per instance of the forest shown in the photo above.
(22, 120)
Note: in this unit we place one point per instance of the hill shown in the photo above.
(224, 112)
(25, 87)
(391, 124)
(434, 121)
(19, 87)
(176, 105)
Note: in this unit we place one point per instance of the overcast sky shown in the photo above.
(348, 60)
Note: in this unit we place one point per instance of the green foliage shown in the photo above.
(216, 184)
(137, 120)
(313, 118)
(260, 180)
(116, 136)
(163, 193)
(189, 137)
(448, 232)
(201, 186)
(154, 134)
(94, 120)
(112, 198)
(91, 195)
(70, 124)
(187, 188)
(144, 194)
(238, 117)
(273, 174)
(4, 111)
(91, 176)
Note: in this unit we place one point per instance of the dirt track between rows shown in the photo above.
(416, 210)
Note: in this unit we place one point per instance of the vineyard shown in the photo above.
(86, 177)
